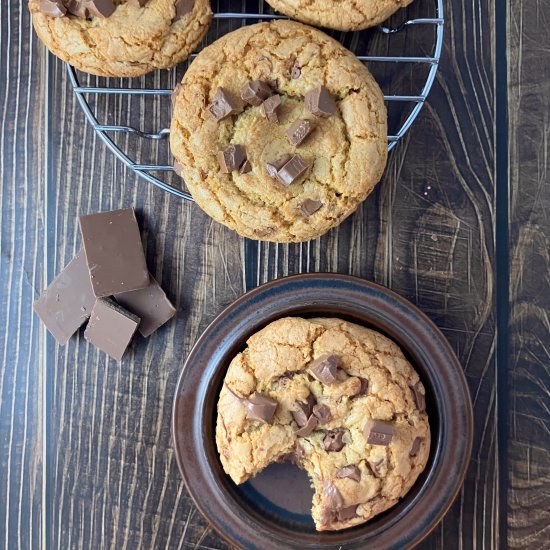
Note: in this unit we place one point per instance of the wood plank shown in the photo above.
(529, 131)
(21, 271)
(114, 478)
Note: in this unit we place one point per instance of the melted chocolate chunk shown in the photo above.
(333, 496)
(322, 413)
(304, 411)
(137, 3)
(364, 386)
(299, 130)
(351, 471)
(246, 167)
(52, 8)
(259, 407)
(91, 8)
(324, 369)
(416, 446)
(256, 92)
(270, 107)
(347, 513)
(309, 207)
(333, 441)
(309, 427)
(419, 398)
(231, 158)
(378, 432)
(183, 7)
(375, 466)
(223, 105)
(320, 102)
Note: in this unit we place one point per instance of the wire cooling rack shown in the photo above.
(402, 54)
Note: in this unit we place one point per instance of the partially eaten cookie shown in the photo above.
(339, 400)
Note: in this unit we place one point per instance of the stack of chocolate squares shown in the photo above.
(108, 284)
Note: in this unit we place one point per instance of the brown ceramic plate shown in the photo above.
(272, 511)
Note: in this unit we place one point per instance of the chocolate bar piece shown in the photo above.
(255, 92)
(324, 369)
(114, 252)
(299, 130)
(259, 407)
(89, 8)
(223, 105)
(150, 304)
(66, 304)
(231, 158)
(52, 8)
(273, 167)
(378, 432)
(270, 107)
(292, 171)
(320, 102)
(111, 328)
(310, 206)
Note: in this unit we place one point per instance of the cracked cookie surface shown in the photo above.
(130, 42)
(346, 153)
(343, 15)
(281, 379)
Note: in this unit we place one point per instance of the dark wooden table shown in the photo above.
(459, 225)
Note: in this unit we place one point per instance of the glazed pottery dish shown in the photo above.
(320, 411)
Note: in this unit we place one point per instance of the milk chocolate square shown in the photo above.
(66, 304)
(150, 304)
(111, 328)
(114, 252)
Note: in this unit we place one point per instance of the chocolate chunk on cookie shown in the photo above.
(260, 407)
(255, 92)
(223, 105)
(378, 432)
(320, 102)
(324, 368)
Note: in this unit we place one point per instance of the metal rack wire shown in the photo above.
(106, 131)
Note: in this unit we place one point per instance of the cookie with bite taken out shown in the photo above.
(338, 399)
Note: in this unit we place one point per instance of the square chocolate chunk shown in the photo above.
(111, 328)
(114, 252)
(150, 304)
(66, 304)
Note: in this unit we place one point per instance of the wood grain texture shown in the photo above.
(529, 131)
(111, 480)
(21, 271)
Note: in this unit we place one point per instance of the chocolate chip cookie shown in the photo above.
(279, 131)
(344, 15)
(339, 400)
(121, 37)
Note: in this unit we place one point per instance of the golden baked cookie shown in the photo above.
(279, 131)
(337, 398)
(342, 15)
(136, 38)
